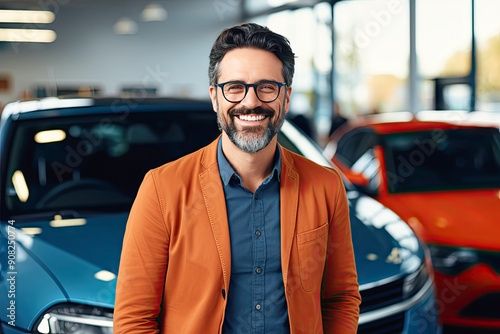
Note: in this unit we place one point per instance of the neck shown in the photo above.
(253, 168)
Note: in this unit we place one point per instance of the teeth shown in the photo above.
(251, 118)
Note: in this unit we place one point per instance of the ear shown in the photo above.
(213, 97)
(287, 98)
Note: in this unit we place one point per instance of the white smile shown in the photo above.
(251, 118)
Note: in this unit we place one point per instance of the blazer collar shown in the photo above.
(215, 203)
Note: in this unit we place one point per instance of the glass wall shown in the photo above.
(488, 55)
(309, 32)
(371, 56)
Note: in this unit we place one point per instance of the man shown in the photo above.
(241, 236)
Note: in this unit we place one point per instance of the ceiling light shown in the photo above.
(104, 275)
(50, 136)
(125, 26)
(59, 222)
(20, 186)
(32, 230)
(26, 16)
(154, 12)
(27, 35)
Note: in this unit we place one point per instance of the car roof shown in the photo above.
(396, 122)
(55, 103)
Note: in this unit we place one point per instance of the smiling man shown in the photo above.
(241, 236)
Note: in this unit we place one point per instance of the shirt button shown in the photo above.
(256, 197)
(257, 233)
(258, 270)
(257, 307)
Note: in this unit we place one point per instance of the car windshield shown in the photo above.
(443, 160)
(94, 162)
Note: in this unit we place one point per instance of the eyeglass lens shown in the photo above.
(266, 91)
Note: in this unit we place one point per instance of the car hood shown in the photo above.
(456, 218)
(83, 259)
(384, 246)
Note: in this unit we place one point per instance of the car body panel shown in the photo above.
(382, 232)
(437, 220)
(458, 293)
(35, 290)
(91, 248)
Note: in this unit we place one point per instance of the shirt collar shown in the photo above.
(227, 172)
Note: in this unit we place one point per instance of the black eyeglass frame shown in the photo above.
(247, 86)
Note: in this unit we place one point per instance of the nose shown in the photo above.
(251, 100)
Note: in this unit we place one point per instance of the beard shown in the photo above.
(251, 139)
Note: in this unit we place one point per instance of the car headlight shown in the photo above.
(452, 261)
(415, 281)
(75, 319)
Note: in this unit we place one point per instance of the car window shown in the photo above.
(354, 145)
(443, 159)
(95, 162)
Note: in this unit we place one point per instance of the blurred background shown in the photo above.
(354, 57)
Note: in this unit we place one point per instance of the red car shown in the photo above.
(440, 172)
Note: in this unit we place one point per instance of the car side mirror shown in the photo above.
(358, 179)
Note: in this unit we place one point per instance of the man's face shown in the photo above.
(250, 124)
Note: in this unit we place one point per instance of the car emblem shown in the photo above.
(394, 257)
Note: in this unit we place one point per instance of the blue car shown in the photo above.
(70, 170)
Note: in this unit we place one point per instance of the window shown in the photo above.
(354, 145)
(443, 160)
(488, 53)
(371, 56)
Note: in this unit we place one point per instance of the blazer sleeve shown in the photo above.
(143, 264)
(340, 289)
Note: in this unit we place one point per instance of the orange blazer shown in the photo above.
(176, 258)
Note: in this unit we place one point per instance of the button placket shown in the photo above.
(259, 243)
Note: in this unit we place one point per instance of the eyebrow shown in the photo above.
(261, 80)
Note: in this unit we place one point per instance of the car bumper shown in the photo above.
(471, 298)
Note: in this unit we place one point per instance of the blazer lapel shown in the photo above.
(213, 195)
(289, 202)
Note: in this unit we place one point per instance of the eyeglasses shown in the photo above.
(266, 91)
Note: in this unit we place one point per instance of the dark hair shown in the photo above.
(251, 35)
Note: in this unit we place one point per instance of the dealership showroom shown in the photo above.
(359, 138)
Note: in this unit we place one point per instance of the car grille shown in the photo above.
(390, 325)
(381, 296)
(484, 307)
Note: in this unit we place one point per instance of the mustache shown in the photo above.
(254, 111)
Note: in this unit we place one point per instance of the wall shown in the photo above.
(171, 55)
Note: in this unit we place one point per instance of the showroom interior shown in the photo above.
(401, 97)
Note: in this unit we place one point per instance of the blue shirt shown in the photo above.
(256, 300)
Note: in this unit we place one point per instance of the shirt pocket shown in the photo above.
(312, 247)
